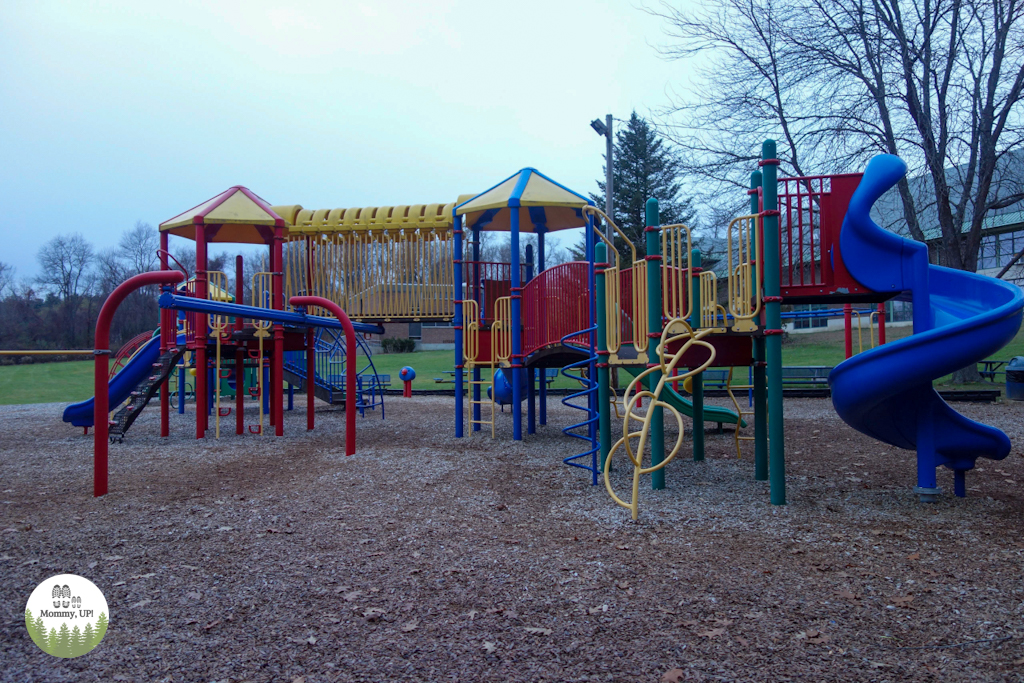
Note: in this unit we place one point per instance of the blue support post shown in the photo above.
(531, 389)
(211, 377)
(266, 389)
(474, 292)
(291, 396)
(543, 389)
(517, 330)
(459, 360)
(181, 389)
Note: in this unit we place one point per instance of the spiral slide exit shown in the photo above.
(959, 318)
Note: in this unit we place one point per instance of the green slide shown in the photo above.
(684, 406)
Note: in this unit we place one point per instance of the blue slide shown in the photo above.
(121, 385)
(959, 319)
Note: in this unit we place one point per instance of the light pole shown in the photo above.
(605, 129)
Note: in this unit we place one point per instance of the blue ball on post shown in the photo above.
(407, 375)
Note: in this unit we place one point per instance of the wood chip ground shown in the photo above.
(430, 558)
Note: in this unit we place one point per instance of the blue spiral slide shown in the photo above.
(959, 318)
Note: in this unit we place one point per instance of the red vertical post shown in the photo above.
(881, 324)
(239, 350)
(168, 337)
(847, 319)
(101, 369)
(200, 331)
(277, 365)
(350, 363)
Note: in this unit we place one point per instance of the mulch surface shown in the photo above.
(430, 558)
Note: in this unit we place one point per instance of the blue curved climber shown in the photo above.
(590, 391)
(959, 318)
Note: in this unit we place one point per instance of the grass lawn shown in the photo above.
(46, 382)
(72, 381)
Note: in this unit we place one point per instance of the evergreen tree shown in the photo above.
(39, 638)
(88, 636)
(52, 642)
(64, 641)
(644, 167)
(101, 628)
(77, 644)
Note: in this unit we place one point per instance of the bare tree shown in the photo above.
(938, 82)
(6, 279)
(137, 248)
(65, 262)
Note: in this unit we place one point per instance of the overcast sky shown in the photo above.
(117, 112)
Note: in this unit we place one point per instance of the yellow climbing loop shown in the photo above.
(677, 330)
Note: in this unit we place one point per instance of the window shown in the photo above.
(997, 250)
(415, 330)
(809, 323)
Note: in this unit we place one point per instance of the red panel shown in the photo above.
(811, 213)
(730, 351)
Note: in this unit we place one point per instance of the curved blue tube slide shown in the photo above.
(121, 385)
(959, 319)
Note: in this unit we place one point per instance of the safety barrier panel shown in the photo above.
(556, 303)
(811, 213)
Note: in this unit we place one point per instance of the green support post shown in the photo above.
(603, 397)
(697, 381)
(657, 435)
(760, 388)
(773, 315)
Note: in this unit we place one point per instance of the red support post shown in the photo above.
(168, 338)
(101, 370)
(881, 324)
(239, 351)
(350, 363)
(200, 332)
(847, 319)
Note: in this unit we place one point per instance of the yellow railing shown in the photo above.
(744, 290)
(677, 265)
(470, 332)
(385, 274)
(712, 314)
(640, 317)
(613, 291)
(501, 330)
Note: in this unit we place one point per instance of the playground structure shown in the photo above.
(660, 317)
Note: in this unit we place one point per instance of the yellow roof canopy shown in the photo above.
(235, 215)
(539, 201)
